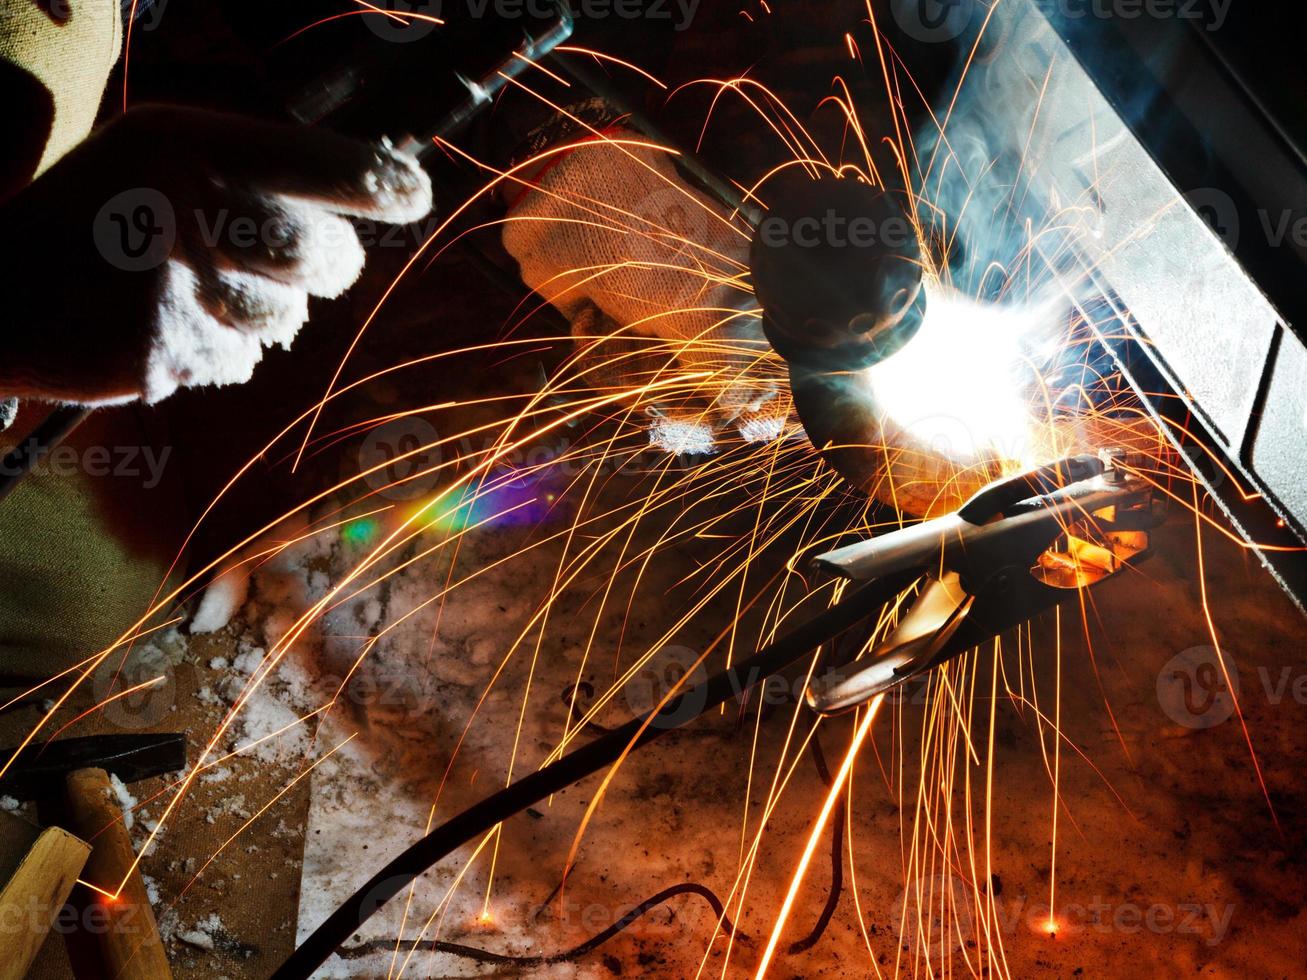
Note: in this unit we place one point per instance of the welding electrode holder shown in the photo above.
(1084, 483)
(1020, 546)
(593, 757)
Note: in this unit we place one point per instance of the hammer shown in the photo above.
(76, 772)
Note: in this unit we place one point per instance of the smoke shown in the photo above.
(1011, 207)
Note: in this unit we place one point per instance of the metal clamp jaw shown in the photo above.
(1018, 547)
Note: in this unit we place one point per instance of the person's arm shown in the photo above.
(173, 246)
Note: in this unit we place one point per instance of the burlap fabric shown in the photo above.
(69, 47)
(82, 547)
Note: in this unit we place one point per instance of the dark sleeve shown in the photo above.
(29, 117)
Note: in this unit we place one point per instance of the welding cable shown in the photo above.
(575, 953)
(56, 427)
(585, 761)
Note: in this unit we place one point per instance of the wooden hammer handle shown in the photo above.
(37, 872)
(127, 936)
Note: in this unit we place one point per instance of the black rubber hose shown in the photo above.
(18, 462)
(589, 759)
(576, 952)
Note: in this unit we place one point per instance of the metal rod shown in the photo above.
(56, 427)
(703, 175)
(482, 91)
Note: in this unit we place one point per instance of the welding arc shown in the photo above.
(576, 952)
(591, 758)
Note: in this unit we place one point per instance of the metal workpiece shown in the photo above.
(1021, 545)
(1174, 162)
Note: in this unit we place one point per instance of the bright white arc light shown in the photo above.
(961, 386)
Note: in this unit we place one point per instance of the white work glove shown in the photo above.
(174, 245)
(623, 247)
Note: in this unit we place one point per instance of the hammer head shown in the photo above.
(39, 769)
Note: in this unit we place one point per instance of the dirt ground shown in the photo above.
(1169, 861)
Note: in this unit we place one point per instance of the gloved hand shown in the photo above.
(173, 245)
(625, 249)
